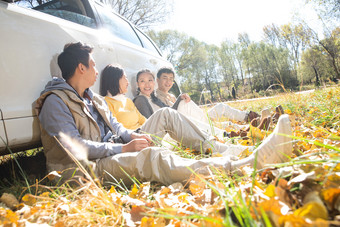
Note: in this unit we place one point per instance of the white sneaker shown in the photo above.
(224, 149)
(276, 148)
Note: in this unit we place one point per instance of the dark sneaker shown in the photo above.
(279, 110)
(252, 115)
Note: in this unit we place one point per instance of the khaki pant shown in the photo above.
(159, 164)
(155, 164)
(223, 110)
(199, 118)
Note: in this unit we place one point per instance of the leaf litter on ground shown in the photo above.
(305, 191)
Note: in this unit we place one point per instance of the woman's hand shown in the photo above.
(185, 97)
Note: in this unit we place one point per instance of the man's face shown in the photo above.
(91, 72)
(165, 82)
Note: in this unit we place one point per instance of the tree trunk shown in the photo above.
(317, 78)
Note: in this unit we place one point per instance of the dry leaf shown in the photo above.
(134, 191)
(137, 213)
(147, 222)
(29, 199)
(255, 132)
(9, 200)
(270, 191)
(313, 207)
(330, 196)
(53, 175)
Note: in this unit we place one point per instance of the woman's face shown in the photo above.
(146, 84)
(123, 84)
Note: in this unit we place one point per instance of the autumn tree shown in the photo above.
(143, 14)
(244, 41)
(172, 44)
(328, 9)
(270, 66)
(228, 64)
(313, 65)
(331, 46)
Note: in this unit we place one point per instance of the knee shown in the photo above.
(166, 112)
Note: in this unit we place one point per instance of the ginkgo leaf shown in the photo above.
(29, 199)
(255, 132)
(134, 191)
(330, 196)
(272, 205)
(312, 211)
(147, 222)
(292, 220)
(10, 218)
(270, 191)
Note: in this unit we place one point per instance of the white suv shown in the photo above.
(30, 42)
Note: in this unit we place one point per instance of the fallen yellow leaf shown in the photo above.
(270, 191)
(312, 210)
(29, 199)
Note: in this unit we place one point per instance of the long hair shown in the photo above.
(153, 96)
(109, 82)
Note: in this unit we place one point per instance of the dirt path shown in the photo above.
(254, 99)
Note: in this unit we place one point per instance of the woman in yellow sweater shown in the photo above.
(121, 107)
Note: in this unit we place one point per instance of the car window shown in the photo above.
(71, 16)
(117, 25)
(69, 10)
(147, 44)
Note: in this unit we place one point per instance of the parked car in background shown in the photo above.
(30, 42)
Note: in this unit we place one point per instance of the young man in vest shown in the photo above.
(69, 106)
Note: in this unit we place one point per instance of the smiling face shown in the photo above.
(123, 84)
(146, 83)
(165, 82)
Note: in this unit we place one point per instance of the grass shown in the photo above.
(273, 197)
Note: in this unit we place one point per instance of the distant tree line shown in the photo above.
(287, 58)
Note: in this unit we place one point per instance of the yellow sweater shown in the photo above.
(126, 112)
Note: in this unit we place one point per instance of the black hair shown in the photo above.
(153, 96)
(165, 70)
(72, 55)
(109, 82)
(144, 71)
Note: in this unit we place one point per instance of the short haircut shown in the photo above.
(72, 55)
(144, 71)
(165, 70)
(109, 82)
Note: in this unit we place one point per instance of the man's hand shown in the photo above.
(185, 97)
(135, 145)
(142, 136)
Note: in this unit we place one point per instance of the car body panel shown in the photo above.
(30, 42)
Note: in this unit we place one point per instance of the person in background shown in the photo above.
(233, 93)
